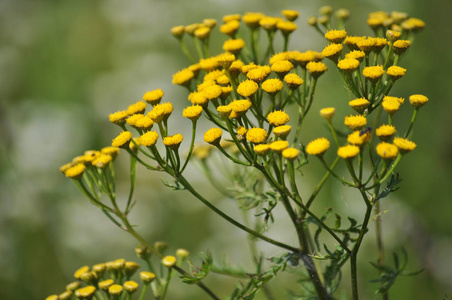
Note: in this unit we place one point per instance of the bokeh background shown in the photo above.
(65, 65)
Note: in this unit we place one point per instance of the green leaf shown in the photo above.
(175, 185)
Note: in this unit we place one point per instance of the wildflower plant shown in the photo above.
(255, 97)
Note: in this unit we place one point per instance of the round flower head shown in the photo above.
(290, 14)
(67, 295)
(282, 131)
(223, 80)
(272, 86)
(246, 68)
(385, 132)
(375, 23)
(379, 44)
(102, 161)
(144, 123)
(52, 297)
(282, 67)
(115, 290)
(208, 64)
(252, 19)
(342, 14)
(360, 104)
(318, 146)
(312, 21)
(241, 131)
(122, 140)
(192, 112)
(225, 59)
(224, 110)
(417, 101)
(130, 286)
(226, 91)
(64, 167)
(293, 81)
(212, 92)
(183, 77)
(356, 54)
(400, 100)
(279, 146)
(80, 271)
(230, 28)
(373, 73)
(153, 97)
(316, 68)
(392, 35)
(391, 106)
(195, 68)
(91, 155)
(268, 23)
(75, 172)
(240, 107)
(366, 45)
(335, 36)
(286, 27)
(277, 57)
(395, 72)
(348, 64)
(259, 74)
(326, 10)
(387, 151)
(290, 153)
(173, 141)
(348, 152)
(119, 117)
(212, 76)
(234, 46)
(190, 29)
(358, 138)
(324, 20)
(332, 51)
(404, 145)
(86, 292)
(228, 18)
(352, 42)
(197, 98)
(256, 135)
(213, 136)
(247, 88)
(278, 118)
(400, 46)
(202, 32)
(327, 113)
(131, 120)
(149, 138)
(261, 149)
(147, 277)
(355, 122)
(73, 286)
(236, 68)
(169, 261)
(178, 31)
(413, 24)
(303, 58)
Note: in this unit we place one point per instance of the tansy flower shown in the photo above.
(133, 119)
(236, 68)
(197, 98)
(118, 117)
(261, 149)
(277, 57)
(224, 110)
(326, 10)
(183, 77)
(212, 76)
(173, 141)
(290, 153)
(342, 13)
(348, 152)
(115, 290)
(223, 80)
(400, 46)
(85, 292)
(279, 146)
(352, 42)
(282, 67)
(73, 286)
(149, 138)
(208, 64)
(327, 113)
(385, 132)
(225, 59)
(134, 143)
(76, 171)
(373, 73)
(355, 122)
(228, 18)
(278, 118)
(234, 46)
(268, 23)
(290, 14)
(356, 54)
(293, 81)
(130, 286)
(335, 36)
(212, 92)
(286, 27)
(259, 74)
(379, 44)
(316, 68)
(192, 112)
(194, 68)
(178, 31)
(366, 45)
(136, 108)
(303, 58)
(395, 72)
(102, 161)
(391, 106)
(225, 92)
(348, 64)
(202, 32)
(387, 151)
(392, 35)
(147, 277)
(400, 100)
(169, 261)
(358, 138)
(413, 24)
(64, 167)
(332, 51)
(318, 146)
(122, 139)
(252, 19)
(404, 145)
(256, 135)
(64, 296)
(360, 104)
(91, 155)
(230, 28)
(144, 123)
(209, 22)
(417, 101)
(240, 107)
(246, 68)
(247, 88)
(190, 29)
(282, 131)
(272, 86)
(213, 136)
(153, 97)
(375, 23)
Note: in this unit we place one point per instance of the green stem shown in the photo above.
(413, 118)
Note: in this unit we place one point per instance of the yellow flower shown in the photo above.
(391, 106)
(169, 261)
(360, 104)
(348, 64)
(358, 138)
(290, 153)
(352, 42)
(178, 31)
(147, 277)
(366, 45)
(326, 10)
(236, 68)
(115, 290)
(293, 81)
(278, 118)
(153, 97)
(385, 132)
(75, 172)
(375, 23)
(303, 58)
(286, 27)
(247, 88)
(379, 44)
(131, 120)
(282, 67)
(348, 152)
(342, 13)
(417, 101)
(268, 23)
(173, 141)
(149, 138)
(122, 139)
(230, 28)
(67, 295)
(282, 131)
(130, 286)
(400, 100)
(246, 68)
(102, 161)
(356, 54)
(259, 74)
(202, 32)
(395, 72)
(387, 151)
(277, 57)
(208, 64)
(190, 29)
(252, 19)
(119, 117)
(225, 59)
(413, 24)
(404, 145)
(240, 107)
(234, 46)
(183, 77)
(85, 292)
(192, 112)
(73, 286)
(224, 110)
(272, 86)
(212, 76)
(318, 146)
(335, 36)
(373, 73)
(194, 68)
(64, 167)
(261, 149)
(290, 14)
(256, 135)
(212, 92)
(209, 22)
(197, 98)
(327, 113)
(91, 155)
(228, 18)
(316, 68)
(332, 51)
(392, 35)
(400, 46)
(213, 136)
(355, 122)
(223, 81)
(134, 143)
(279, 146)
(144, 123)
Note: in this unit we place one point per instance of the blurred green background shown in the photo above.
(65, 65)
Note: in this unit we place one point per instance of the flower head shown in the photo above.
(318, 146)
(192, 112)
(400, 46)
(417, 101)
(385, 132)
(348, 64)
(404, 145)
(282, 67)
(395, 72)
(75, 172)
(356, 54)
(282, 131)
(247, 88)
(115, 290)
(225, 59)
(387, 151)
(122, 139)
(102, 161)
(335, 36)
(286, 27)
(153, 97)
(144, 123)
(119, 117)
(293, 81)
(332, 51)
(197, 98)
(358, 138)
(149, 138)
(290, 153)
(147, 277)
(252, 19)
(240, 107)
(85, 292)
(327, 113)
(230, 28)
(278, 118)
(173, 141)
(256, 135)
(213, 136)
(269, 23)
(391, 106)
(202, 32)
(169, 261)
(355, 122)
(348, 151)
(130, 286)
(290, 14)
(316, 68)
(234, 46)
(360, 104)
(212, 92)
(178, 31)
(279, 146)
(183, 77)
(224, 110)
(352, 42)
(259, 73)
(261, 149)
(272, 86)
(373, 73)
(208, 64)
